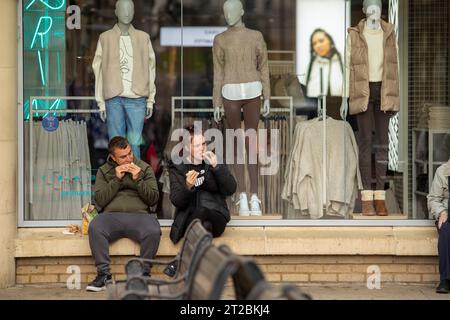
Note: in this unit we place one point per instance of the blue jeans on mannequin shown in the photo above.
(125, 117)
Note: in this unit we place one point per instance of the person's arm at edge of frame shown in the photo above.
(435, 199)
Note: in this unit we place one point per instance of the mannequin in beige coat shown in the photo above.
(373, 88)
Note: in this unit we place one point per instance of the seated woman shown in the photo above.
(438, 204)
(199, 171)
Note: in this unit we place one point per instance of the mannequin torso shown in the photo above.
(239, 73)
(127, 38)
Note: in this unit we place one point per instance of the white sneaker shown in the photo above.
(255, 205)
(243, 205)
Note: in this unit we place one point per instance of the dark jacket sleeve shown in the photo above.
(105, 191)
(224, 179)
(180, 195)
(147, 187)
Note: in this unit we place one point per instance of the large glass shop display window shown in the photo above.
(66, 122)
(306, 103)
(343, 161)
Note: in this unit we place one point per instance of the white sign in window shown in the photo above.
(192, 36)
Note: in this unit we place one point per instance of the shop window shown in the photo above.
(314, 156)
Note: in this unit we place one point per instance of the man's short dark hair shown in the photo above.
(117, 142)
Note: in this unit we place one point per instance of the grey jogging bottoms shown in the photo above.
(109, 227)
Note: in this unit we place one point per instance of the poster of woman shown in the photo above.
(325, 71)
(321, 30)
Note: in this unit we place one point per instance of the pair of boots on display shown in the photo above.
(255, 205)
(373, 203)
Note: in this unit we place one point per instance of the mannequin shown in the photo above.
(124, 67)
(372, 87)
(241, 76)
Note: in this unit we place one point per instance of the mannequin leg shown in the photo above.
(382, 137)
(115, 117)
(233, 120)
(252, 110)
(364, 139)
(135, 115)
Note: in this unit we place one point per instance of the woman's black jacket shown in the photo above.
(217, 180)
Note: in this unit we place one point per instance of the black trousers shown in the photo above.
(108, 227)
(373, 126)
(444, 250)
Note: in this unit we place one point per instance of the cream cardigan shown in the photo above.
(303, 176)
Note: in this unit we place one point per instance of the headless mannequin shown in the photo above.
(125, 14)
(373, 118)
(373, 17)
(233, 12)
(126, 117)
(237, 96)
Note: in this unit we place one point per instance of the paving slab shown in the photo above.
(328, 292)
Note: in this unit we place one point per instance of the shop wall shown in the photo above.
(304, 270)
(8, 140)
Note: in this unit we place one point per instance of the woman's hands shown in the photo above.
(190, 179)
(210, 158)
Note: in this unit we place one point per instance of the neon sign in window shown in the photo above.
(44, 43)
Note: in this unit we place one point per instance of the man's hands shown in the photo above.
(190, 178)
(443, 217)
(121, 170)
(134, 170)
(131, 168)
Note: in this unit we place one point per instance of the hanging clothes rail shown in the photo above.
(175, 110)
(59, 111)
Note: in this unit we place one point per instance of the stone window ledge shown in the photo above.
(255, 241)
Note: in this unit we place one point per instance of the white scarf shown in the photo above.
(332, 77)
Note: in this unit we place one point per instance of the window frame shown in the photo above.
(403, 54)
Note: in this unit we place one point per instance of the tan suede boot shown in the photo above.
(367, 203)
(380, 202)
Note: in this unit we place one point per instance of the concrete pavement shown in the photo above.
(326, 292)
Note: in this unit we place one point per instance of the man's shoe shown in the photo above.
(99, 282)
(171, 270)
(443, 287)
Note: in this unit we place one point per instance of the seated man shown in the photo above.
(125, 190)
(438, 199)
